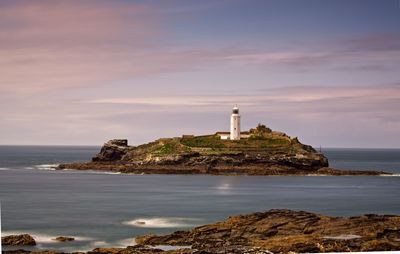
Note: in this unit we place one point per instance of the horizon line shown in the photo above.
(82, 145)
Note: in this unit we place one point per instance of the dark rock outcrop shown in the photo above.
(113, 150)
(64, 239)
(16, 240)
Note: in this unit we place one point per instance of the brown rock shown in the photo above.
(273, 231)
(15, 240)
(64, 239)
(286, 230)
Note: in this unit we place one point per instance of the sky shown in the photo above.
(83, 72)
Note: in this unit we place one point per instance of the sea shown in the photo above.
(103, 209)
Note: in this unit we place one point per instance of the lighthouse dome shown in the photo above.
(235, 110)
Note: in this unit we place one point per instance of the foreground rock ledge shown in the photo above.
(276, 231)
(285, 230)
(264, 152)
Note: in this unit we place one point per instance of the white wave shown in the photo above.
(68, 169)
(161, 222)
(394, 174)
(99, 244)
(95, 172)
(170, 247)
(126, 242)
(47, 166)
(109, 173)
(4, 169)
(83, 238)
(224, 189)
(225, 186)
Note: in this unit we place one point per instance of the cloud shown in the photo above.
(372, 42)
(377, 60)
(377, 52)
(63, 44)
(327, 115)
(305, 94)
(73, 44)
(66, 23)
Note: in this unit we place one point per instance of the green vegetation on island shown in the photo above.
(261, 140)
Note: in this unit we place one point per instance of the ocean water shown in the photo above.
(104, 209)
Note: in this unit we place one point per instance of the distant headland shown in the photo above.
(259, 151)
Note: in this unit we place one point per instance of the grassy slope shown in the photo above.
(212, 144)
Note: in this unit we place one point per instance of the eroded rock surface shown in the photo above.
(18, 240)
(113, 150)
(64, 239)
(285, 230)
(273, 231)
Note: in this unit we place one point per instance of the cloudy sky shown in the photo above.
(82, 72)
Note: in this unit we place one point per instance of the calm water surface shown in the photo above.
(101, 209)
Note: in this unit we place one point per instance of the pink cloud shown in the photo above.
(51, 44)
(65, 23)
(280, 97)
(62, 44)
(67, 44)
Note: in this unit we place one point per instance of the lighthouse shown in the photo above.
(235, 124)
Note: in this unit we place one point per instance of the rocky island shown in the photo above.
(261, 152)
(273, 231)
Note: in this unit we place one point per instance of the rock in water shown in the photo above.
(263, 152)
(64, 239)
(16, 240)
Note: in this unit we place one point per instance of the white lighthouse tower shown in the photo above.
(235, 124)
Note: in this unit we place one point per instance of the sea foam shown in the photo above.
(170, 247)
(126, 242)
(161, 222)
(46, 166)
(395, 175)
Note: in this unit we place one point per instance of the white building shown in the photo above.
(234, 133)
(223, 134)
